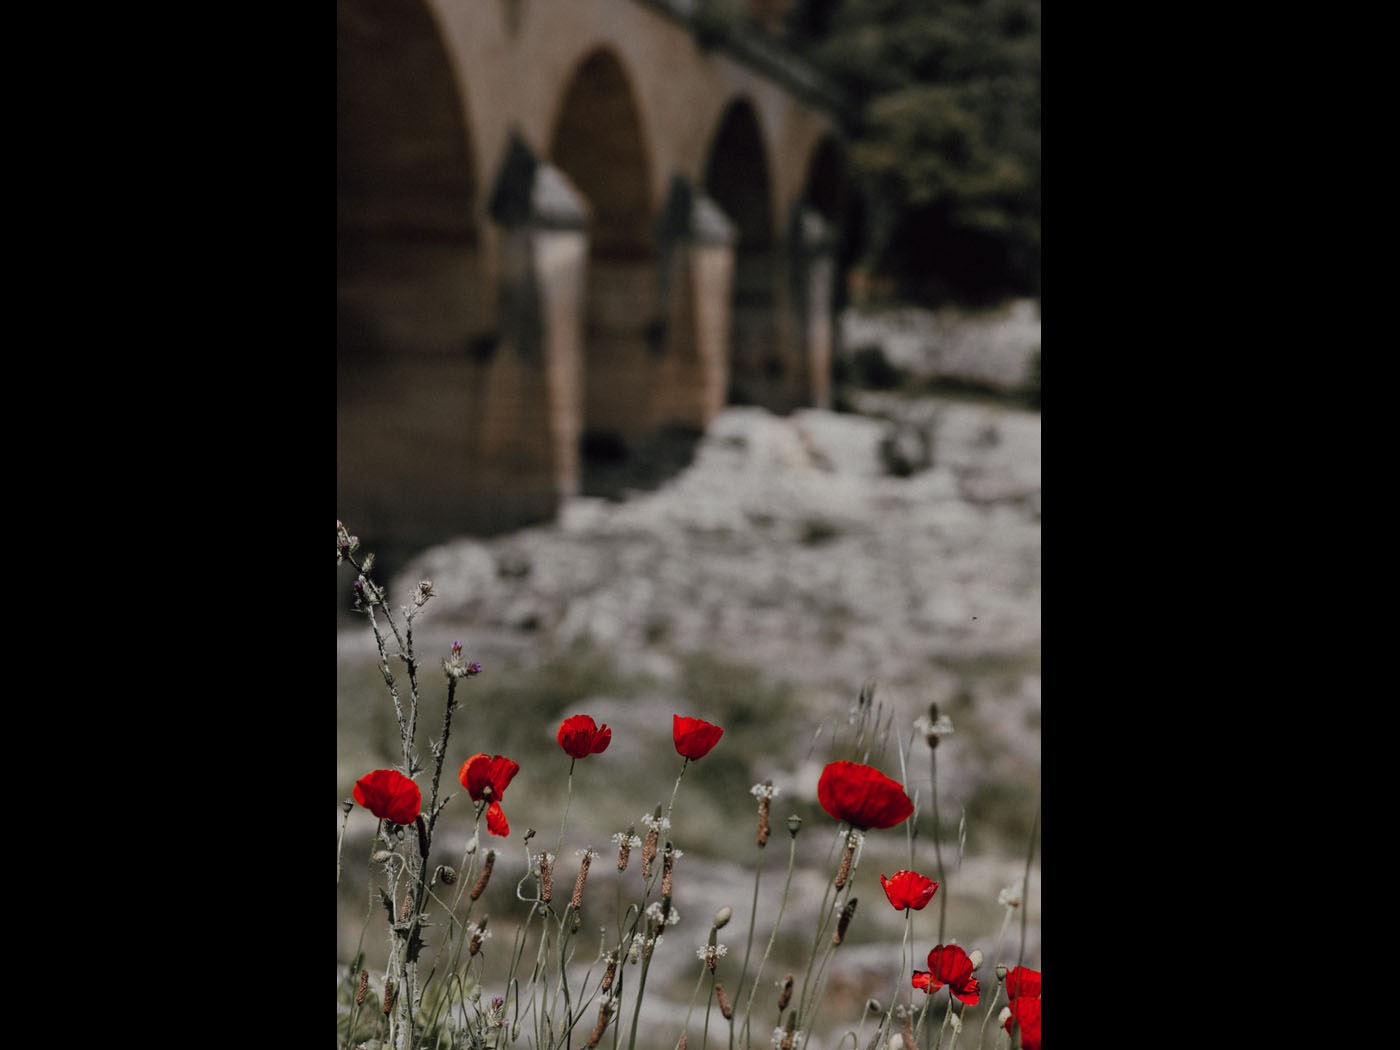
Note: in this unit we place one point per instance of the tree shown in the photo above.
(945, 148)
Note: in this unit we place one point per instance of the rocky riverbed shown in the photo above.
(796, 562)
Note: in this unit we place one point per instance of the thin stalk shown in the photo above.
(772, 937)
(937, 847)
(1026, 885)
(748, 948)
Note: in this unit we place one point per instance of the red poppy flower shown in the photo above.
(486, 777)
(694, 737)
(389, 795)
(580, 736)
(908, 889)
(1025, 1011)
(1022, 983)
(862, 796)
(948, 964)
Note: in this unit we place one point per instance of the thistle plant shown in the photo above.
(496, 949)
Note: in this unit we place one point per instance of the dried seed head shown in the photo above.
(576, 902)
(422, 837)
(649, 849)
(722, 997)
(485, 876)
(364, 987)
(407, 908)
(785, 996)
(846, 915)
(609, 973)
(794, 825)
(605, 1010)
(546, 877)
(479, 934)
(446, 874)
(625, 841)
(909, 1043)
(844, 872)
(668, 862)
(389, 995)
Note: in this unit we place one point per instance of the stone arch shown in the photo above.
(738, 178)
(599, 143)
(410, 298)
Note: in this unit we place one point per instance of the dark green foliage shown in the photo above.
(946, 147)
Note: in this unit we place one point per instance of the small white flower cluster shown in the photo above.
(656, 823)
(1009, 897)
(939, 727)
(591, 854)
(619, 837)
(763, 791)
(473, 929)
(542, 858)
(704, 952)
(654, 914)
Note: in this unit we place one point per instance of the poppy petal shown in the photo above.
(389, 795)
(496, 822)
(862, 796)
(694, 737)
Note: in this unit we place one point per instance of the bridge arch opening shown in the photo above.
(410, 298)
(737, 178)
(598, 142)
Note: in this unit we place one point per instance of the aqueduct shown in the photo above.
(562, 222)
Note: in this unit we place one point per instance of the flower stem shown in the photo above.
(772, 937)
(937, 847)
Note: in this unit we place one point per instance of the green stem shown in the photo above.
(937, 847)
(1026, 885)
(772, 937)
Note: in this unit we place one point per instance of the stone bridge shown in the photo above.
(565, 227)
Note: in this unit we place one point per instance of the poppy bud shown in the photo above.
(976, 957)
(1001, 972)
(723, 916)
(794, 825)
(785, 996)
(446, 874)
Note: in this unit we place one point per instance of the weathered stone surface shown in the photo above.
(788, 545)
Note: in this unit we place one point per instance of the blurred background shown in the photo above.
(692, 349)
